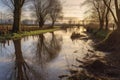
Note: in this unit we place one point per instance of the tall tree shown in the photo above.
(100, 9)
(16, 6)
(117, 11)
(107, 15)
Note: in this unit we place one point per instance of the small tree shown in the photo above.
(55, 11)
(41, 10)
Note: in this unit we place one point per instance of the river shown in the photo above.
(42, 57)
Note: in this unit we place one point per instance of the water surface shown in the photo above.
(42, 57)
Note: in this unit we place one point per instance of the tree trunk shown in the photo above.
(119, 19)
(41, 23)
(101, 24)
(118, 25)
(53, 22)
(17, 17)
(107, 22)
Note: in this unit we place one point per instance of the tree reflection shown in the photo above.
(23, 71)
(41, 50)
(47, 49)
(55, 46)
(21, 66)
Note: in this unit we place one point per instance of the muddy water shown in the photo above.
(42, 57)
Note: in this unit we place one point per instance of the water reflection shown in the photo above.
(47, 49)
(55, 46)
(37, 57)
(21, 67)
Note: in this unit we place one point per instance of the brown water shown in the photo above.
(42, 57)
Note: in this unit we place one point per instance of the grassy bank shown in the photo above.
(101, 34)
(98, 35)
(25, 33)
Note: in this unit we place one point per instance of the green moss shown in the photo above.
(23, 34)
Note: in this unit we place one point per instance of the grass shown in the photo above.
(102, 34)
(25, 33)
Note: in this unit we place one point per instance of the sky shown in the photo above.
(71, 8)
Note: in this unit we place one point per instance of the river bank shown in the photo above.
(24, 33)
(97, 67)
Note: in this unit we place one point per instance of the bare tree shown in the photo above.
(98, 11)
(112, 42)
(55, 11)
(41, 9)
(16, 7)
(107, 15)
(117, 13)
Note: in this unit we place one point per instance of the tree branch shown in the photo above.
(116, 21)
